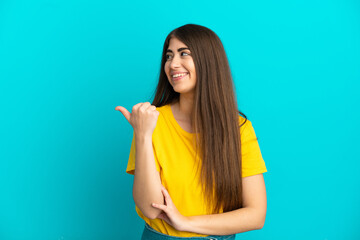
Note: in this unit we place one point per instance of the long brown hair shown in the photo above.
(215, 115)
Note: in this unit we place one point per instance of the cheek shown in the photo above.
(191, 66)
(193, 71)
(166, 69)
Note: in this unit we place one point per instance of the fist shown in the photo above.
(142, 118)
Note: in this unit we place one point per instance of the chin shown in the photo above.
(182, 91)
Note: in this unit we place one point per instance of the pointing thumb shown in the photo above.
(125, 112)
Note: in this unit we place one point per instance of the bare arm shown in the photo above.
(147, 182)
(250, 217)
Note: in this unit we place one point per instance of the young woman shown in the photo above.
(198, 163)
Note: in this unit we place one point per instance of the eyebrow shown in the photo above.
(179, 50)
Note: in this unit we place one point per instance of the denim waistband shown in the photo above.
(151, 234)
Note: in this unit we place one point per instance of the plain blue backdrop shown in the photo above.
(65, 65)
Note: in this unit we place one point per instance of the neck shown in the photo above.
(185, 106)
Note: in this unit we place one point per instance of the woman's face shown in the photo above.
(179, 67)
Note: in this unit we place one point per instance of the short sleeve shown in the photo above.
(252, 161)
(130, 169)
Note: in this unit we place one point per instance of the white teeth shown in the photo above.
(178, 75)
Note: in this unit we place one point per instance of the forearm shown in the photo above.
(147, 182)
(236, 221)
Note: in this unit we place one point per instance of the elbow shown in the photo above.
(146, 209)
(151, 212)
(144, 201)
(257, 218)
(260, 224)
(152, 215)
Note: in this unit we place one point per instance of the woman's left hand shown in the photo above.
(170, 213)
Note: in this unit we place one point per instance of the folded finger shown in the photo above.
(166, 194)
(159, 206)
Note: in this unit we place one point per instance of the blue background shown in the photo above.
(65, 65)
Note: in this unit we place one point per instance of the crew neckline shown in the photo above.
(177, 124)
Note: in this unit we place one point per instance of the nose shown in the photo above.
(175, 62)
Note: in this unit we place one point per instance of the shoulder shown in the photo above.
(246, 129)
(163, 115)
(163, 108)
(164, 111)
(244, 122)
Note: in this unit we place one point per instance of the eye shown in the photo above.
(184, 54)
(168, 56)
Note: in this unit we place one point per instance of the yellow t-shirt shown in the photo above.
(175, 161)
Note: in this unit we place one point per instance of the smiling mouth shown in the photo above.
(179, 76)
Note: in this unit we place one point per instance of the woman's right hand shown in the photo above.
(142, 118)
